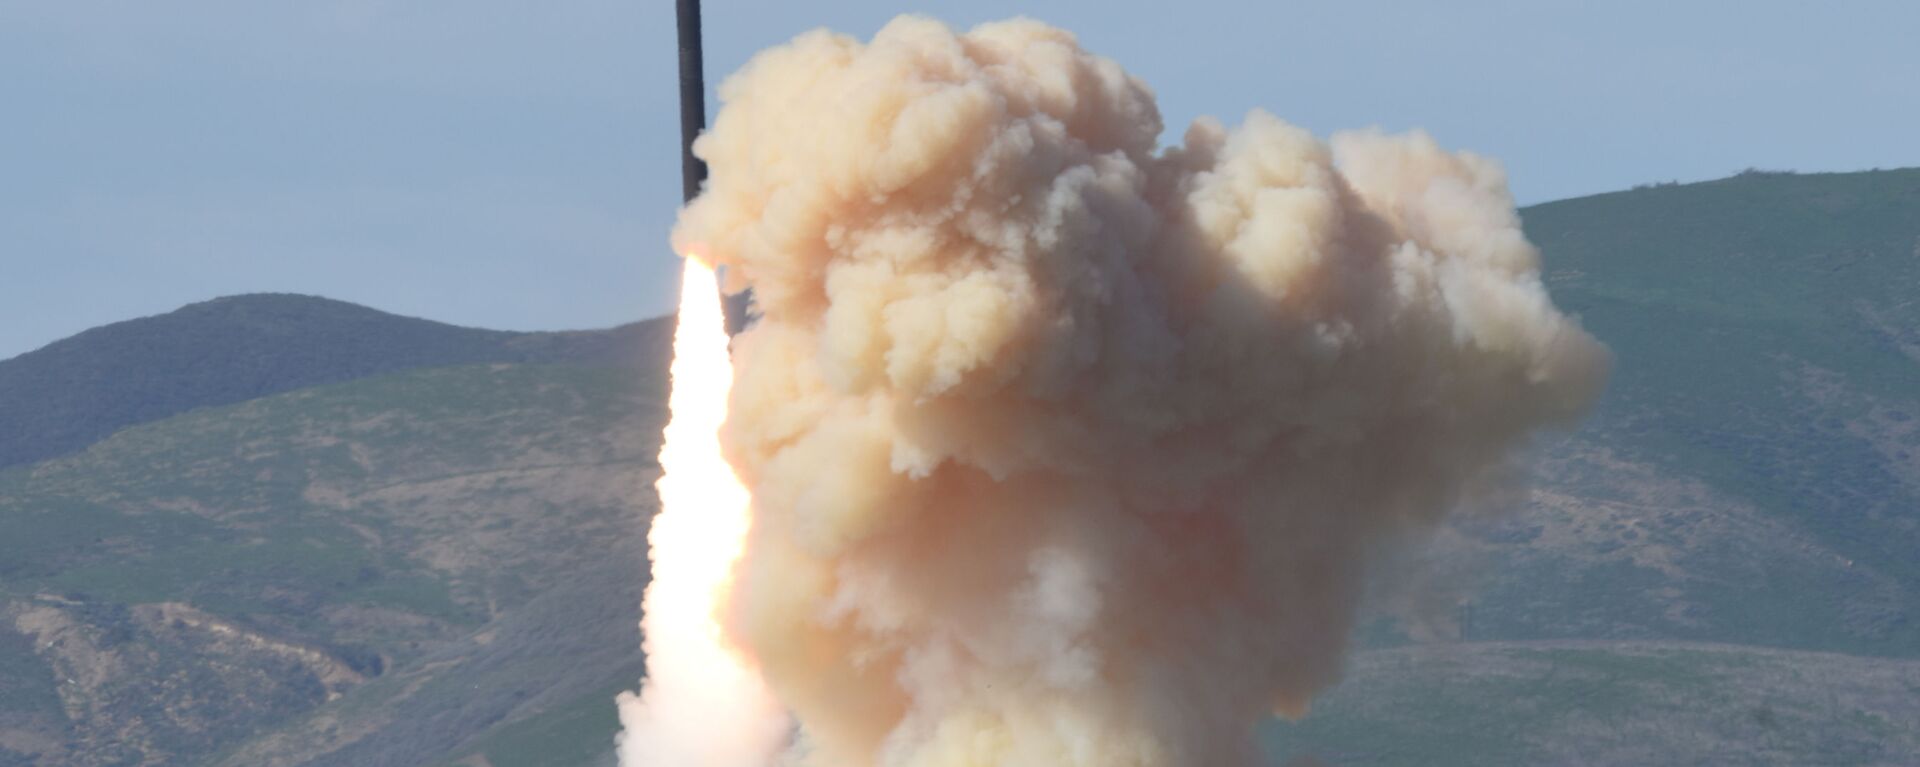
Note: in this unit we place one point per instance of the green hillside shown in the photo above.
(1773, 335)
(1624, 703)
(366, 551)
(1762, 430)
(66, 395)
(442, 565)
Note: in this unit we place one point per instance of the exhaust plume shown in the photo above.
(701, 704)
(1069, 450)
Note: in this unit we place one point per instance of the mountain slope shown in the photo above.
(1754, 468)
(1608, 703)
(431, 551)
(66, 395)
(443, 565)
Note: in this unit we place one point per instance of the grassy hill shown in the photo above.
(1759, 446)
(400, 561)
(442, 565)
(1608, 703)
(66, 395)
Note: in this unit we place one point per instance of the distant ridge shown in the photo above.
(65, 396)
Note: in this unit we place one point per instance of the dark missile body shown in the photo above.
(693, 119)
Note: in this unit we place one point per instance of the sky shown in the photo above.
(515, 165)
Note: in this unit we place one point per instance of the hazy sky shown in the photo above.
(514, 164)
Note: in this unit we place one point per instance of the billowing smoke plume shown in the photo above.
(1069, 450)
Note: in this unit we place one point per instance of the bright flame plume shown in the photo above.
(701, 705)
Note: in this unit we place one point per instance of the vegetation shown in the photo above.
(63, 397)
(219, 572)
(1769, 350)
(289, 531)
(1611, 703)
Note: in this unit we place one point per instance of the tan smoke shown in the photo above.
(1069, 450)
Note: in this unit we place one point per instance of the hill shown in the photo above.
(443, 564)
(64, 396)
(370, 572)
(1754, 468)
(1608, 703)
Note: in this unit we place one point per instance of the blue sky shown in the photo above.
(514, 164)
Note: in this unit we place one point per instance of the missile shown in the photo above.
(693, 120)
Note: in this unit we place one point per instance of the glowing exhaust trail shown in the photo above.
(701, 705)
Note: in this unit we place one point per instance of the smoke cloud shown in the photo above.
(1066, 449)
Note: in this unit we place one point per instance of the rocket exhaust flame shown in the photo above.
(1064, 449)
(702, 705)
